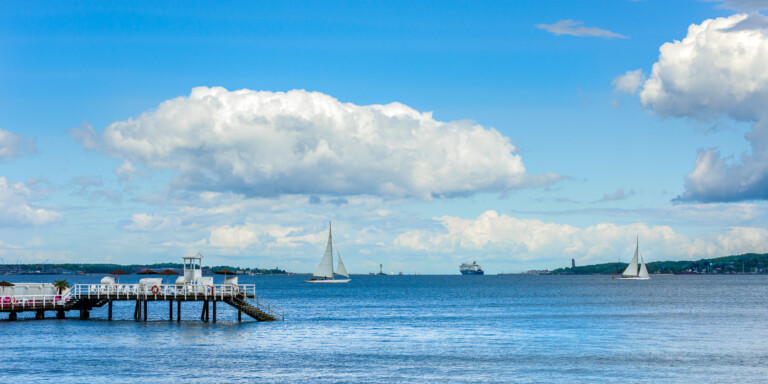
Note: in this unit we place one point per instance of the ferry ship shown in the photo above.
(471, 269)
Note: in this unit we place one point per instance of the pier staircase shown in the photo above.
(255, 307)
(86, 304)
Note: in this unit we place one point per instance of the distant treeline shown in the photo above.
(747, 263)
(131, 268)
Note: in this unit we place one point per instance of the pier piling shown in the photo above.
(39, 315)
(170, 310)
(145, 310)
(109, 311)
(60, 314)
(178, 311)
(12, 316)
(214, 311)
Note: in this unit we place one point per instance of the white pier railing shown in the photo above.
(31, 301)
(159, 291)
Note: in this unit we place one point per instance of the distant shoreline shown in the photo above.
(74, 269)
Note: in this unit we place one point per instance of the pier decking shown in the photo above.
(86, 297)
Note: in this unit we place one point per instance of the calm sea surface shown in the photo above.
(415, 329)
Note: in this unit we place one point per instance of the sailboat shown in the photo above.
(633, 272)
(324, 272)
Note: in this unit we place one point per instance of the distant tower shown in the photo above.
(573, 263)
(381, 269)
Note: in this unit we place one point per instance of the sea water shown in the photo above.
(417, 329)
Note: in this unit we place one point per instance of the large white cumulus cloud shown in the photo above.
(15, 209)
(526, 239)
(718, 69)
(714, 70)
(299, 142)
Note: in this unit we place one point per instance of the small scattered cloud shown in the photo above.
(338, 201)
(89, 188)
(126, 171)
(84, 183)
(16, 209)
(575, 28)
(13, 145)
(272, 235)
(193, 246)
(629, 82)
(40, 186)
(741, 5)
(335, 201)
(233, 237)
(143, 222)
(618, 195)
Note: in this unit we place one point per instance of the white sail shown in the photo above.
(341, 269)
(632, 267)
(643, 270)
(325, 269)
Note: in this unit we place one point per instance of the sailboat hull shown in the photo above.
(330, 281)
(634, 278)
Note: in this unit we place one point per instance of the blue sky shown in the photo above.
(520, 136)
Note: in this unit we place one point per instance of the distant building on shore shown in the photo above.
(573, 263)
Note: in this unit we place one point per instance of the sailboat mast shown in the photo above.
(330, 244)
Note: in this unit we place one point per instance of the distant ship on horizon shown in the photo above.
(471, 269)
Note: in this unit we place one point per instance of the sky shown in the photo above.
(520, 134)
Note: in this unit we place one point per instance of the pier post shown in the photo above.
(214, 311)
(170, 310)
(178, 312)
(239, 315)
(109, 310)
(202, 314)
(12, 316)
(84, 314)
(60, 314)
(39, 315)
(145, 310)
(137, 310)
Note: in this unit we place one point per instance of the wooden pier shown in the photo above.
(85, 297)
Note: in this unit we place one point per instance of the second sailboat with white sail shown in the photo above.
(635, 270)
(324, 272)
